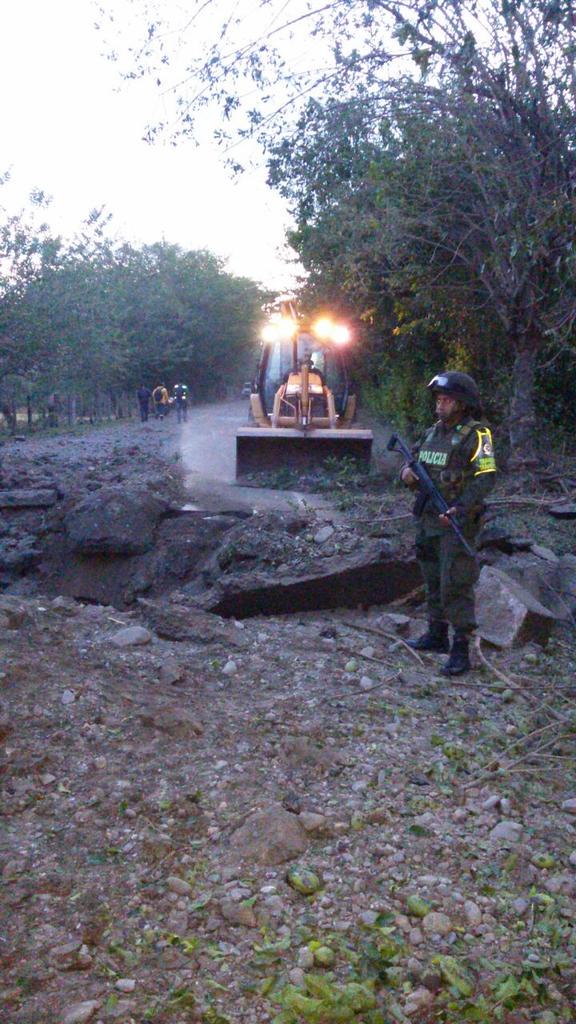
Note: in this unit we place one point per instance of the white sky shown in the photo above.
(67, 126)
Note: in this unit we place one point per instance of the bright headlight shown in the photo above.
(270, 332)
(279, 329)
(323, 328)
(340, 334)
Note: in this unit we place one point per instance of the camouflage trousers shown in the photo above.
(449, 577)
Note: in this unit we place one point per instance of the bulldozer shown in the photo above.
(301, 406)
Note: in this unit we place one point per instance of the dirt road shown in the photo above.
(208, 447)
(205, 444)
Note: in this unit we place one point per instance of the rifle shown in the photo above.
(428, 490)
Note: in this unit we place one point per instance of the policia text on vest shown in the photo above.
(428, 492)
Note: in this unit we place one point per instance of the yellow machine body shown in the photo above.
(301, 408)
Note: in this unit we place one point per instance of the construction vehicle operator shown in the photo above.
(459, 457)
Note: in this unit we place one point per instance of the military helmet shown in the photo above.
(458, 385)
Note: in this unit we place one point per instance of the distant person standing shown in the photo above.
(144, 395)
(54, 406)
(181, 400)
(161, 401)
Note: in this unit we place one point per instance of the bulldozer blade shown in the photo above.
(268, 448)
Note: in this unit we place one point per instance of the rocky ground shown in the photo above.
(287, 818)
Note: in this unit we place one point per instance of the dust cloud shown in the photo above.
(208, 453)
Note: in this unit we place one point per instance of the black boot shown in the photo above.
(459, 660)
(434, 639)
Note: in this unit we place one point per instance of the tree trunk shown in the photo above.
(71, 409)
(7, 410)
(522, 419)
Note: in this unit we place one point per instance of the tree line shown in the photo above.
(84, 322)
(427, 152)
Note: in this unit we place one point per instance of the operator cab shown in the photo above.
(282, 359)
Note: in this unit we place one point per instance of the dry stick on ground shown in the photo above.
(530, 502)
(389, 636)
(519, 760)
(418, 592)
(515, 686)
(345, 694)
(555, 757)
(560, 476)
(358, 654)
(487, 768)
(376, 520)
(361, 693)
(536, 770)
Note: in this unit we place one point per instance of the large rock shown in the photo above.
(563, 510)
(550, 579)
(186, 622)
(238, 914)
(180, 543)
(565, 579)
(506, 832)
(132, 636)
(495, 535)
(372, 576)
(101, 579)
(20, 498)
(269, 836)
(13, 612)
(437, 924)
(188, 539)
(81, 1013)
(17, 560)
(115, 521)
(508, 614)
(538, 576)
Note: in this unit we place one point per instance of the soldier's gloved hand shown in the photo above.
(408, 477)
(449, 514)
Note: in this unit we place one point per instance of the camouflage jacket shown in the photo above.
(460, 460)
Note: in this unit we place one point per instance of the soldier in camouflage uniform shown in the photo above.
(458, 455)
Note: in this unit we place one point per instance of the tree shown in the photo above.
(340, 175)
(486, 190)
(26, 246)
(482, 197)
(184, 316)
(94, 317)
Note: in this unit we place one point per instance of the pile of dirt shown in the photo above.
(43, 480)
